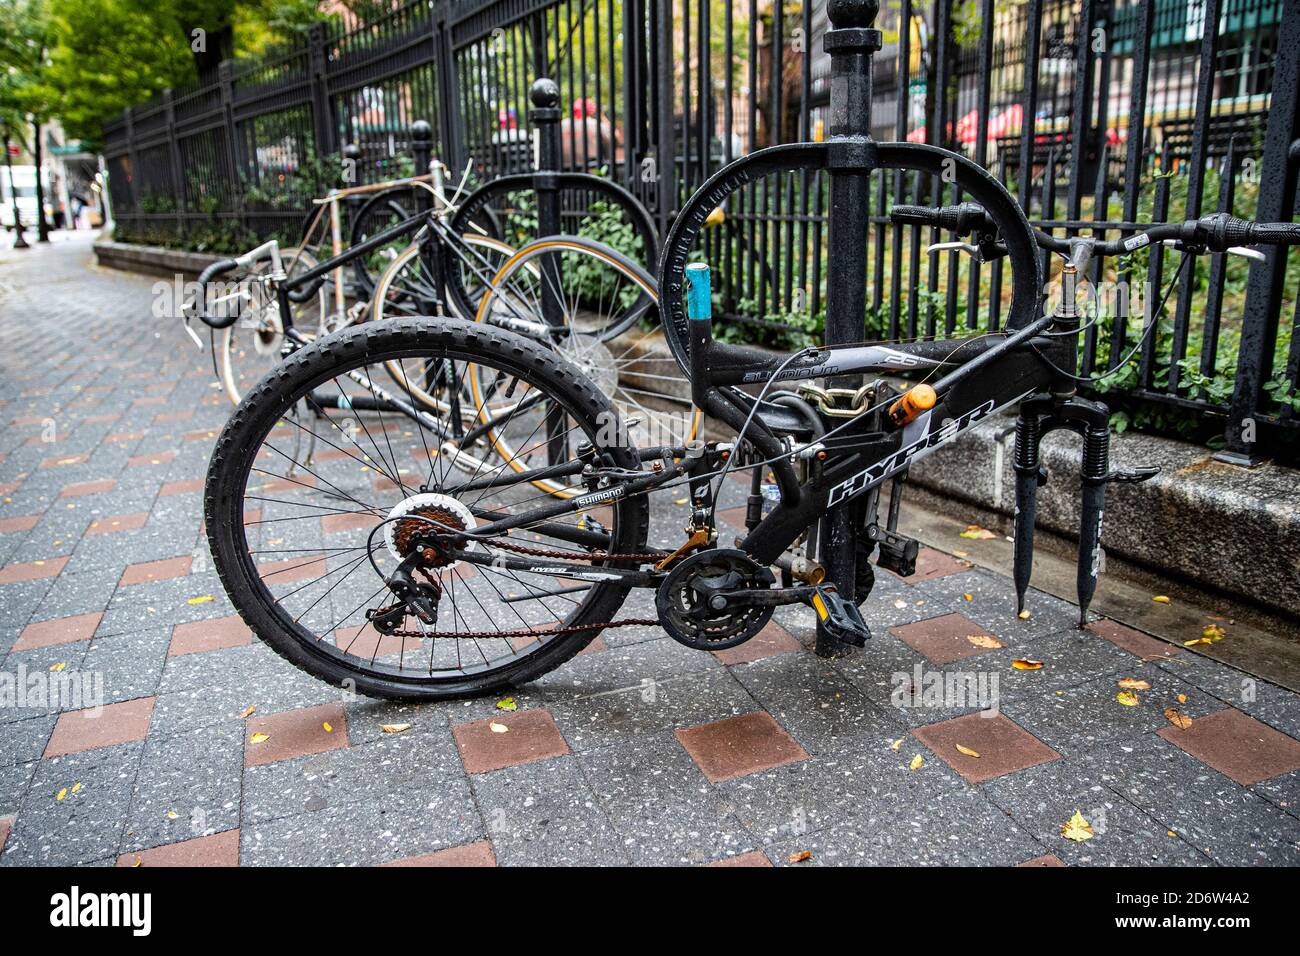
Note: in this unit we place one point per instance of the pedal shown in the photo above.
(898, 553)
(840, 618)
(1134, 476)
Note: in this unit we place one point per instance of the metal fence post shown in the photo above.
(225, 77)
(321, 113)
(665, 150)
(133, 157)
(450, 120)
(1277, 197)
(850, 152)
(174, 151)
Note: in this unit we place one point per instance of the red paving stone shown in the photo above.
(218, 849)
(201, 434)
(1135, 642)
(9, 487)
(118, 523)
(471, 854)
(180, 415)
(120, 437)
(213, 635)
(1003, 746)
(943, 639)
(772, 640)
(347, 522)
(185, 487)
(14, 525)
(163, 570)
(753, 858)
(150, 400)
(81, 488)
(931, 564)
(739, 746)
(32, 570)
(530, 735)
(113, 724)
(295, 733)
(1047, 859)
(157, 458)
(59, 461)
(61, 630)
(1237, 746)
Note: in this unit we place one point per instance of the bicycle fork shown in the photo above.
(1040, 415)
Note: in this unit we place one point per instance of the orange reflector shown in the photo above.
(820, 606)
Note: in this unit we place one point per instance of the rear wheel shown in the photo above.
(320, 488)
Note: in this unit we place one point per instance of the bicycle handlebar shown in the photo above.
(1214, 233)
(220, 267)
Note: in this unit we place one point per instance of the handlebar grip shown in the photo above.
(914, 215)
(962, 218)
(1224, 231)
(220, 267)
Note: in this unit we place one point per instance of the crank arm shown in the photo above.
(772, 597)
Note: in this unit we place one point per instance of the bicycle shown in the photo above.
(474, 582)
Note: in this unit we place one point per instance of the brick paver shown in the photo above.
(753, 756)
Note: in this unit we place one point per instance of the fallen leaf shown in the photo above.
(328, 728)
(680, 501)
(172, 815)
(1127, 698)
(247, 712)
(507, 703)
(61, 794)
(259, 738)
(395, 728)
(76, 788)
(1024, 615)
(1213, 632)
(967, 751)
(976, 533)
(1182, 698)
(959, 554)
(967, 597)
(983, 640)
(899, 603)
(498, 728)
(1170, 833)
(1077, 828)
(1160, 599)
(58, 668)
(896, 744)
(204, 599)
(138, 862)
(1181, 721)
(917, 763)
(1134, 683)
(1024, 664)
(800, 856)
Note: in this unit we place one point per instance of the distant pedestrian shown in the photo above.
(588, 137)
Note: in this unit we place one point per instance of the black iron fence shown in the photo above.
(1098, 114)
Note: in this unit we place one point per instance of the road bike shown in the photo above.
(444, 582)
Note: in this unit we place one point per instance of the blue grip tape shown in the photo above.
(699, 292)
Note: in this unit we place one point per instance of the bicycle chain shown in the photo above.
(568, 629)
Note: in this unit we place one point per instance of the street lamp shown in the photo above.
(20, 242)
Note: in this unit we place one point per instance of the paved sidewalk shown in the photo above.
(638, 751)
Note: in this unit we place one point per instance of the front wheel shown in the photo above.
(324, 482)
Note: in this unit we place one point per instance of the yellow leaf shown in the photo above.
(1077, 828)
(138, 862)
(976, 533)
(329, 729)
(395, 728)
(1160, 599)
(247, 712)
(800, 856)
(896, 744)
(259, 738)
(967, 597)
(58, 668)
(967, 751)
(983, 640)
(1181, 721)
(1024, 664)
(917, 763)
(498, 728)
(960, 554)
(61, 794)
(201, 600)
(1182, 698)
(1134, 683)
(507, 703)
(899, 603)
(680, 501)
(76, 788)
(1024, 615)
(1212, 633)
(1170, 833)
(172, 815)
(1127, 698)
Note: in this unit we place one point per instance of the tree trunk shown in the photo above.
(42, 224)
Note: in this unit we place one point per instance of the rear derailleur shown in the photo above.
(418, 599)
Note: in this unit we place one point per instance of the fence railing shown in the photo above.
(1098, 114)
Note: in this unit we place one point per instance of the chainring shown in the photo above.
(684, 605)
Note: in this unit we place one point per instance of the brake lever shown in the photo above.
(967, 247)
(1244, 252)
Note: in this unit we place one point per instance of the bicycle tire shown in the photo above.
(237, 450)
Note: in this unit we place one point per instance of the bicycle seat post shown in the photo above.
(851, 157)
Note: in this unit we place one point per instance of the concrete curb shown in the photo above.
(151, 260)
(1235, 530)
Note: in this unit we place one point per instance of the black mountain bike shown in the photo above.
(443, 583)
